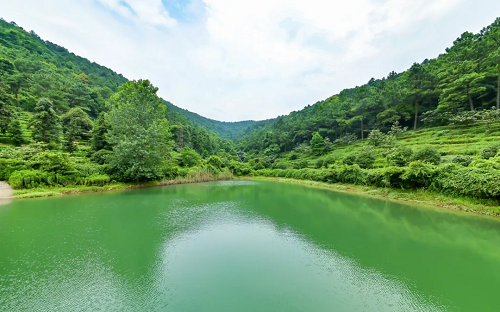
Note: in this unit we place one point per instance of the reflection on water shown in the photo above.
(243, 246)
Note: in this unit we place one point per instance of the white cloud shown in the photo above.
(234, 60)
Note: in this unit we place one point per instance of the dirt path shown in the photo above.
(5, 193)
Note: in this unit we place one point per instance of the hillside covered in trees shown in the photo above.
(434, 126)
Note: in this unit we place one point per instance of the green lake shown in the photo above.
(244, 246)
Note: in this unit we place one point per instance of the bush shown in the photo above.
(462, 160)
(102, 157)
(346, 139)
(418, 174)
(376, 137)
(7, 166)
(490, 151)
(428, 155)
(27, 179)
(319, 163)
(215, 161)
(365, 159)
(349, 160)
(96, 180)
(399, 156)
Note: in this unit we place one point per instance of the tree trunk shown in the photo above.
(471, 103)
(362, 133)
(415, 122)
(498, 88)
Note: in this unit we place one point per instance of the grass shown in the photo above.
(419, 197)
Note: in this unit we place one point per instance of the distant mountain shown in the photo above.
(226, 130)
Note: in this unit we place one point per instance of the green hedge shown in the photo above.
(450, 179)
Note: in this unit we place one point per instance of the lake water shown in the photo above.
(243, 246)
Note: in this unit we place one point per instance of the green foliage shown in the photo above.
(99, 131)
(349, 160)
(376, 137)
(462, 160)
(215, 162)
(365, 159)
(490, 151)
(54, 162)
(45, 125)
(27, 179)
(427, 154)
(188, 158)
(102, 157)
(139, 132)
(317, 144)
(16, 132)
(346, 139)
(76, 126)
(399, 156)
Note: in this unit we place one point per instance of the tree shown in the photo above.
(189, 158)
(78, 123)
(44, 124)
(100, 129)
(317, 144)
(139, 132)
(16, 132)
(491, 35)
(6, 108)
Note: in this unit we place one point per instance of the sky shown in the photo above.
(233, 60)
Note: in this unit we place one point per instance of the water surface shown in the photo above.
(243, 246)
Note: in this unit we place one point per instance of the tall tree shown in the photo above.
(45, 124)
(101, 127)
(139, 131)
(6, 108)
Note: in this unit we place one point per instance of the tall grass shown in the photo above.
(200, 175)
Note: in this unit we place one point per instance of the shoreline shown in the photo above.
(73, 190)
(415, 197)
(6, 193)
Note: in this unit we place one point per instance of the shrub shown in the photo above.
(399, 156)
(462, 160)
(428, 154)
(490, 151)
(102, 157)
(54, 162)
(329, 160)
(349, 160)
(215, 161)
(96, 180)
(319, 163)
(27, 179)
(7, 166)
(418, 174)
(365, 159)
(303, 164)
(346, 139)
(376, 137)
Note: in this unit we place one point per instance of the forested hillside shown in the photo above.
(460, 86)
(31, 69)
(226, 130)
(65, 121)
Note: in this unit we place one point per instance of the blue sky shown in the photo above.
(236, 60)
